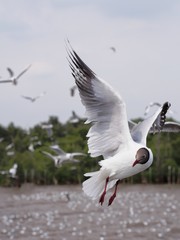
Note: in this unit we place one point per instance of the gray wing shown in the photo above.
(57, 149)
(28, 98)
(5, 81)
(11, 73)
(154, 123)
(105, 109)
(48, 154)
(172, 127)
(18, 76)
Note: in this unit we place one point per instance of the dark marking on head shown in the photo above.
(142, 156)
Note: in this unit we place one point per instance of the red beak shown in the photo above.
(136, 161)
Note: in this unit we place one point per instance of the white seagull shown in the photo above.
(125, 152)
(49, 129)
(74, 118)
(12, 172)
(56, 159)
(61, 156)
(33, 99)
(14, 79)
(64, 155)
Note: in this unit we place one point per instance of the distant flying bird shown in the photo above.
(56, 159)
(125, 153)
(34, 145)
(33, 99)
(172, 127)
(9, 149)
(14, 79)
(64, 155)
(72, 90)
(61, 156)
(74, 118)
(48, 127)
(12, 172)
(113, 49)
(152, 104)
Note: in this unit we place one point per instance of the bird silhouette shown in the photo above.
(14, 79)
(33, 99)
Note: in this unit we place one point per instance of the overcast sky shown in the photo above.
(145, 67)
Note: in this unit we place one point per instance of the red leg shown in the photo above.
(101, 200)
(114, 194)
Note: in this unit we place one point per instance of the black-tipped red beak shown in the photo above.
(135, 162)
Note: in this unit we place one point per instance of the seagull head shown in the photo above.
(142, 156)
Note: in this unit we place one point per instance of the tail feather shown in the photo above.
(94, 186)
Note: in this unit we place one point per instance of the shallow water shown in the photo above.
(65, 213)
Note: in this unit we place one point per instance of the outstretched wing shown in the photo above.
(11, 73)
(23, 71)
(5, 81)
(26, 97)
(154, 123)
(78, 154)
(57, 149)
(105, 109)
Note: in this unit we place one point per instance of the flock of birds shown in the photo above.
(14, 80)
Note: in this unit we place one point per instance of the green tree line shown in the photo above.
(34, 167)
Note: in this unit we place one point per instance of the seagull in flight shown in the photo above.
(48, 127)
(64, 155)
(33, 99)
(61, 156)
(152, 104)
(113, 49)
(12, 172)
(12, 78)
(56, 159)
(124, 150)
(74, 118)
(72, 90)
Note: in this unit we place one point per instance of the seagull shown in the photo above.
(125, 152)
(33, 99)
(13, 171)
(72, 90)
(113, 49)
(48, 128)
(64, 156)
(61, 156)
(56, 159)
(74, 118)
(152, 104)
(14, 79)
